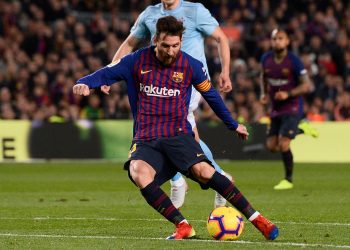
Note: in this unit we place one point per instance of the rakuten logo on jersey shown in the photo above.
(160, 92)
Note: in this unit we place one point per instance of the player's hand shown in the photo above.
(263, 99)
(242, 132)
(105, 89)
(281, 95)
(225, 84)
(81, 89)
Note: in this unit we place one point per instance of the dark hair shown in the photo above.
(170, 26)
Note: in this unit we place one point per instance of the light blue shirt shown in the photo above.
(196, 18)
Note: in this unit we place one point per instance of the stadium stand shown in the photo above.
(46, 45)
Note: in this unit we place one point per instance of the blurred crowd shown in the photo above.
(46, 45)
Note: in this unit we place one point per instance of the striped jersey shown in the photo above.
(283, 76)
(159, 95)
(198, 23)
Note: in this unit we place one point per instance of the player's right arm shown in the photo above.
(263, 88)
(112, 73)
(263, 82)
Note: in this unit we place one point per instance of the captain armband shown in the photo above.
(204, 86)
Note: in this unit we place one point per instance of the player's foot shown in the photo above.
(178, 192)
(266, 227)
(283, 185)
(308, 129)
(183, 231)
(219, 200)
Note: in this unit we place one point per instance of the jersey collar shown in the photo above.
(163, 11)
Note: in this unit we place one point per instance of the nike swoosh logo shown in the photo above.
(199, 155)
(145, 72)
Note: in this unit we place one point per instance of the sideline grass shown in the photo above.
(94, 206)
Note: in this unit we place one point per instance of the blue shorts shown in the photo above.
(168, 155)
(284, 125)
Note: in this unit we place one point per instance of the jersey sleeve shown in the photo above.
(139, 29)
(201, 83)
(299, 68)
(109, 74)
(205, 22)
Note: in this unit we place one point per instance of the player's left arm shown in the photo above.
(202, 84)
(209, 26)
(214, 100)
(305, 85)
(225, 83)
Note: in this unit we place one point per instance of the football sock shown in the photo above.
(256, 214)
(185, 221)
(160, 201)
(209, 155)
(231, 193)
(287, 158)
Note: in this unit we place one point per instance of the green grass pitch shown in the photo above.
(89, 205)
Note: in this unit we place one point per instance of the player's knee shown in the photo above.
(138, 172)
(284, 147)
(134, 170)
(202, 171)
(272, 146)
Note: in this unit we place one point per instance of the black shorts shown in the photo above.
(284, 125)
(168, 155)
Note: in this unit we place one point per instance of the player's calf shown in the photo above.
(220, 201)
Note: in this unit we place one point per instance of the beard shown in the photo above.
(168, 60)
(279, 50)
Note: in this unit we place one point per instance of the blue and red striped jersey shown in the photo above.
(159, 95)
(283, 76)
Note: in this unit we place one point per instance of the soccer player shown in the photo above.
(286, 80)
(159, 81)
(199, 24)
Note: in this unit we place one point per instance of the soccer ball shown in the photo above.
(225, 223)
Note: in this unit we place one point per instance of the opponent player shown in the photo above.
(159, 80)
(286, 80)
(199, 23)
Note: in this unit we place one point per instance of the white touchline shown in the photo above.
(141, 219)
(191, 240)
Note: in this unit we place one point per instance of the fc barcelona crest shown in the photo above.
(285, 71)
(178, 76)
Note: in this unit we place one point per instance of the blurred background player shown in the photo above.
(285, 80)
(199, 23)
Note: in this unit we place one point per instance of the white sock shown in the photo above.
(184, 221)
(254, 215)
(178, 183)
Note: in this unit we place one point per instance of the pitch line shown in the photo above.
(162, 239)
(143, 219)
